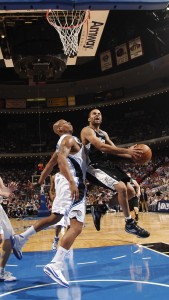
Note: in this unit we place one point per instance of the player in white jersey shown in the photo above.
(5, 232)
(69, 200)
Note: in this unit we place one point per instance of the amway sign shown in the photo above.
(91, 33)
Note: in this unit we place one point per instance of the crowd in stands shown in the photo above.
(128, 122)
(153, 178)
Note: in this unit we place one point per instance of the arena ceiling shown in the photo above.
(31, 51)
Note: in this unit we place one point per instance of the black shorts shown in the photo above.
(106, 174)
(133, 203)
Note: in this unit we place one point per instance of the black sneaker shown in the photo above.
(102, 208)
(133, 228)
(96, 217)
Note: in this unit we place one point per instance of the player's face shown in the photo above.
(63, 126)
(66, 126)
(95, 117)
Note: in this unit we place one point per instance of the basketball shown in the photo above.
(145, 157)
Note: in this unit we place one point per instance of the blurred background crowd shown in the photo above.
(27, 142)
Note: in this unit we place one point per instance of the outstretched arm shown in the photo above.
(6, 191)
(48, 168)
(88, 136)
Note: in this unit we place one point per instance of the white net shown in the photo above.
(68, 24)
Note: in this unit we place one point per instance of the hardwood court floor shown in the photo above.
(112, 232)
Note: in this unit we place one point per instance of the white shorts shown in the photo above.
(5, 224)
(63, 203)
(64, 222)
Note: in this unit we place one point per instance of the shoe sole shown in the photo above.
(94, 219)
(50, 274)
(17, 254)
(6, 281)
(142, 237)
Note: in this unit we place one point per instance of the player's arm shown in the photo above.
(6, 191)
(109, 142)
(88, 134)
(52, 188)
(48, 168)
(45, 173)
(65, 148)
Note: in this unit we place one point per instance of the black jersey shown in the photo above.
(94, 154)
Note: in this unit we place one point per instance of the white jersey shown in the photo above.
(77, 162)
(63, 203)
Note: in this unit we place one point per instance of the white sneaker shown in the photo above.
(56, 274)
(55, 243)
(17, 242)
(7, 277)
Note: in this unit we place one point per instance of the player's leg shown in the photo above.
(54, 268)
(121, 190)
(58, 211)
(115, 179)
(19, 240)
(133, 200)
(61, 226)
(136, 210)
(7, 231)
(56, 237)
(131, 225)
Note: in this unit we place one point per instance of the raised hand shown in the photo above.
(12, 186)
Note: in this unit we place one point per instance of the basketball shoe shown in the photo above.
(17, 242)
(52, 270)
(97, 212)
(55, 243)
(132, 227)
(7, 277)
(96, 217)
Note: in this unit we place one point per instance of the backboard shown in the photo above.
(83, 5)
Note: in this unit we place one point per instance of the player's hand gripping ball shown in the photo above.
(145, 157)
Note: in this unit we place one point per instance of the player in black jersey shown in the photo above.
(104, 172)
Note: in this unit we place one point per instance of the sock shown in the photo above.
(59, 256)
(30, 231)
(128, 219)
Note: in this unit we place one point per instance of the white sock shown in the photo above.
(128, 218)
(59, 256)
(30, 231)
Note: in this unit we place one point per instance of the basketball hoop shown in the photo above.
(68, 24)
